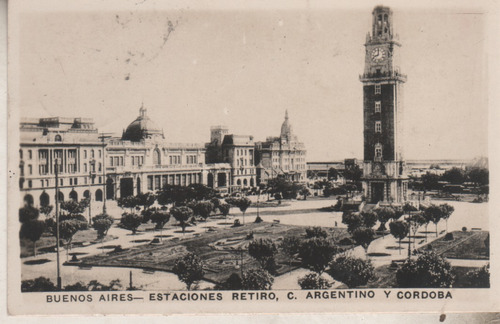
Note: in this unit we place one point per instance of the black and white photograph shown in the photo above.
(249, 157)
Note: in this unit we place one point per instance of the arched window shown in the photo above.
(58, 138)
(245, 182)
(156, 157)
(44, 199)
(238, 182)
(73, 195)
(98, 195)
(28, 200)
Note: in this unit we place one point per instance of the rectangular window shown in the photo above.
(41, 181)
(76, 181)
(150, 183)
(157, 182)
(378, 106)
(378, 127)
(30, 154)
(378, 89)
(30, 169)
(84, 154)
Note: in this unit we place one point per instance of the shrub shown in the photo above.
(257, 279)
(464, 229)
(346, 241)
(448, 237)
(316, 253)
(353, 272)
(37, 285)
(316, 232)
(479, 278)
(314, 281)
(428, 271)
(258, 220)
(231, 283)
(189, 269)
(237, 223)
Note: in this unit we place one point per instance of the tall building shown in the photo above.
(282, 156)
(71, 142)
(384, 170)
(236, 150)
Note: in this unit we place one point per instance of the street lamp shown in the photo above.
(59, 281)
(92, 176)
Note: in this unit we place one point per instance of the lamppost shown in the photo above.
(102, 137)
(59, 281)
(92, 176)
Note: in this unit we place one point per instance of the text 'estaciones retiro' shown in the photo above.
(250, 296)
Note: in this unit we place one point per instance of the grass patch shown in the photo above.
(47, 243)
(465, 245)
(220, 262)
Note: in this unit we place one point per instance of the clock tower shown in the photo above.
(384, 171)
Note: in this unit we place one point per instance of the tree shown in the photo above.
(189, 269)
(231, 283)
(305, 192)
(69, 225)
(159, 217)
(102, 223)
(434, 214)
(454, 176)
(198, 191)
(415, 221)
(257, 279)
(352, 220)
(146, 200)
(316, 253)
(316, 231)
(290, 247)
(313, 281)
(39, 284)
(430, 181)
(479, 278)
(224, 209)
(363, 236)
(182, 215)
(333, 174)
(131, 221)
(242, 203)
(263, 251)
(32, 230)
(478, 175)
(353, 173)
(202, 208)
(446, 211)
(73, 208)
(399, 230)
(28, 213)
(128, 202)
(369, 218)
(351, 271)
(384, 214)
(46, 210)
(428, 271)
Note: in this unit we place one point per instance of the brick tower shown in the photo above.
(384, 170)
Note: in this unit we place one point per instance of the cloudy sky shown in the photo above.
(194, 68)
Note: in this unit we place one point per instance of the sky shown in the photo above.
(194, 68)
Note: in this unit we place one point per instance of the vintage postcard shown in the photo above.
(186, 157)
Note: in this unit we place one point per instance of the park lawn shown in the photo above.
(220, 250)
(47, 242)
(465, 245)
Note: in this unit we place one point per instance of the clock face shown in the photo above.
(378, 54)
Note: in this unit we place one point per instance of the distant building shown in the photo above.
(282, 156)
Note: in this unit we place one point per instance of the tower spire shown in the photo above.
(286, 114)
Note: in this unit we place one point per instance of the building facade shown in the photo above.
(90, 165)
(282, 156)
(72, 146)
(384, 170)
(236, 150)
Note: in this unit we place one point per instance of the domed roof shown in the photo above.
(141, 128)
(286, 128)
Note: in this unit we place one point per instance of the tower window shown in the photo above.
(378, 151)
(378, 127)
(378, 89)
(378, 106)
